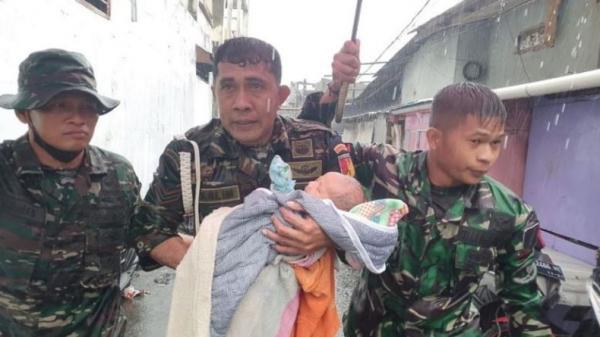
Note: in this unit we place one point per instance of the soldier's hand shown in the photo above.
(302, 238)
(346, 64)
(171, 251)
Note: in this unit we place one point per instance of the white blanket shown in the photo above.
(191, 300)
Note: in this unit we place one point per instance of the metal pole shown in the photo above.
(339, 109)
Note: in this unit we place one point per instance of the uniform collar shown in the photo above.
(94, 161)
(475, 196)
(27, 162)
(280, 139)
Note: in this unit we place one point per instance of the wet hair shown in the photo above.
(454, 103)
(248, 50)
(348, 194)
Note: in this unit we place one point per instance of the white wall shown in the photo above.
(359, 132)
(148, 64)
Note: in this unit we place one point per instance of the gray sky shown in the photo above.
(308, 32)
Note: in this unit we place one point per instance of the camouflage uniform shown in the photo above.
(61, 235)
(440, 258)
(230, 171)
(313, 110)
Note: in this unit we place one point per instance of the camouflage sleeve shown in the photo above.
(518, 285)
(376, 169)
(313, 110)
(165, 189)
(162, 205)
(332, 163)
(147, 227)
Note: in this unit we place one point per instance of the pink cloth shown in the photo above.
(288, 318)
(309, 260)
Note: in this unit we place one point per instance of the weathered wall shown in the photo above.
(576, 48)
(431, 68)
(144, 57)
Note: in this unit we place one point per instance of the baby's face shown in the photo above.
(325, 185)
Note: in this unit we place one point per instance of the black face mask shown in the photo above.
(58, 154)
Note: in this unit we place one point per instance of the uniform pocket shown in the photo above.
(103, 245)
(107, 224)
(64, 256)
(19, 258)
(20, 243)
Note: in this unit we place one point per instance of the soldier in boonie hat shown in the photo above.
(53, 84)
(47, 73)
(68, 209)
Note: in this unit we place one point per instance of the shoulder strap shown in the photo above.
(190, 204)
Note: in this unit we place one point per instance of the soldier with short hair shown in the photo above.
(235, 151)
(461, 224)
(68, 209)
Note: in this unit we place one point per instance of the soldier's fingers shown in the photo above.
(350, 61)
(279, 240)
(270, 235)
(295, 206)
(351, 47)
(299, 223)
(340, 77)
(288, 250)
(286, 232)
(344, 73)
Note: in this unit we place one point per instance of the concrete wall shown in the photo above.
(359, 132)
(415, 126)
(576, 49)
(380, 130)
(473, 45)
(231, 19)
(432, 67)
(440, 60)
(561, 179)
(145, 58)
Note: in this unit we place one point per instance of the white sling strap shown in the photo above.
(190, 204)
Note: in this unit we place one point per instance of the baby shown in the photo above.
(347, 195)
(344, 191)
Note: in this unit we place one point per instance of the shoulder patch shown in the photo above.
(344, 160)
(302, 148)
(310, 169)
(220, 195)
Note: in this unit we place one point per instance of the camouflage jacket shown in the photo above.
(313, 110)
(61, 235)
(430, 279)
(230, 171)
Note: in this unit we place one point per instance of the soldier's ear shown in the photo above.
(434, 137)
(23, 116)
(284, 92)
